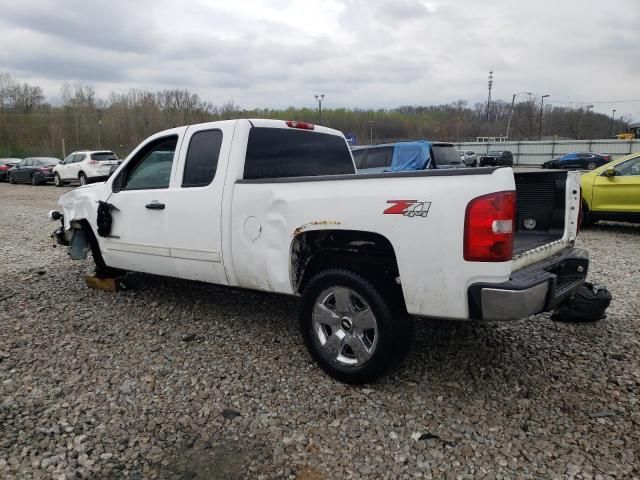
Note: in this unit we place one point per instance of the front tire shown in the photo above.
(57, 181)
(11, 179)
(83, 178)
(350, 329)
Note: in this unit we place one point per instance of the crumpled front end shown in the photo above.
(79, 208)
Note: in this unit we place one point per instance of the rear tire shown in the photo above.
(57, 181)
(82, 177)
(350, 329)
(591, 165)
(34, 181)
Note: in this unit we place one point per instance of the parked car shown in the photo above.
(469, 158)
(85, 166)
(497, 158)
(277, 206)
(405, 156)
(34, 170)
(612, 192)
(5, 165)
(578, 160)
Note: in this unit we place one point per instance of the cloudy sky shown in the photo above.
(359, 53)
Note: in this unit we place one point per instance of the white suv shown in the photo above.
(85, 166)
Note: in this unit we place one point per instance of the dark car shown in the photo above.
(379, 158)
(5, 165)
(497, 158)
(579, 161)
(34, 170)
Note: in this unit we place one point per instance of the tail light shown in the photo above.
(4, 168)
(301, 125)
(489, 226)
(93, 162)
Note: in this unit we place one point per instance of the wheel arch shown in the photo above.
(367, 253)
(94, 245)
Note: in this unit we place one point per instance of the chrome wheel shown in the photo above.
(345, 326)
(591, 165)
(83, 179)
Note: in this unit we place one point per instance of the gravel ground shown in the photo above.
(174, 379)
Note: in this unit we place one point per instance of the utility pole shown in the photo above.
(513, 101)
(490, 84)
(319, 98)
(541, 114)
(370, 132)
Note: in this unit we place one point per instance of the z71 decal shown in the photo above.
(408, 208)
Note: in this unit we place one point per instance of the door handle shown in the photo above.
(155, 206)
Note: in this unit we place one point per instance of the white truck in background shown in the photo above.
(276, 206)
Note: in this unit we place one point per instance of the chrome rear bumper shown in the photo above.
(534, 289)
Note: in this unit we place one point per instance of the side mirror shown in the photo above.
(609, 172)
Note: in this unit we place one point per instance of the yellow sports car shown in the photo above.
(612, 192)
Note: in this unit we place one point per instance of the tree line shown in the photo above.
(31, 124)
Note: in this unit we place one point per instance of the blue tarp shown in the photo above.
(409, 156)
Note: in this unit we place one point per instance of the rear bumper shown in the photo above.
(538, 288)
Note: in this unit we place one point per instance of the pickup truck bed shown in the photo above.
(525, 241)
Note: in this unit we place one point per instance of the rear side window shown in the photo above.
(378, 157)
(445, 155)
(202, 158)
(280, 152)
(358, 157)
(103, 156)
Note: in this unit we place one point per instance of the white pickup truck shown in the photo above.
(276, 206)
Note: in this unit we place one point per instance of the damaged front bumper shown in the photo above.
(537, 288)
(59, 235)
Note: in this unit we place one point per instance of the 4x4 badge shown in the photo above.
(408, 208)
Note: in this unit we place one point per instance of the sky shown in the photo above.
(358, 53)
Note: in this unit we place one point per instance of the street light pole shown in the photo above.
(370, 132)
(99, 132)
(541, 113)
(613, 122)
(587, 116)
(319, 98)
(513, 101)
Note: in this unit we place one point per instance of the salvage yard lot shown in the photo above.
(174, 379)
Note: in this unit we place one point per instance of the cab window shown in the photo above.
(202, 158)
(150, 168)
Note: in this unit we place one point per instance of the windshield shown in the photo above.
(495, 153)
(445, 155)
(102, 156)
